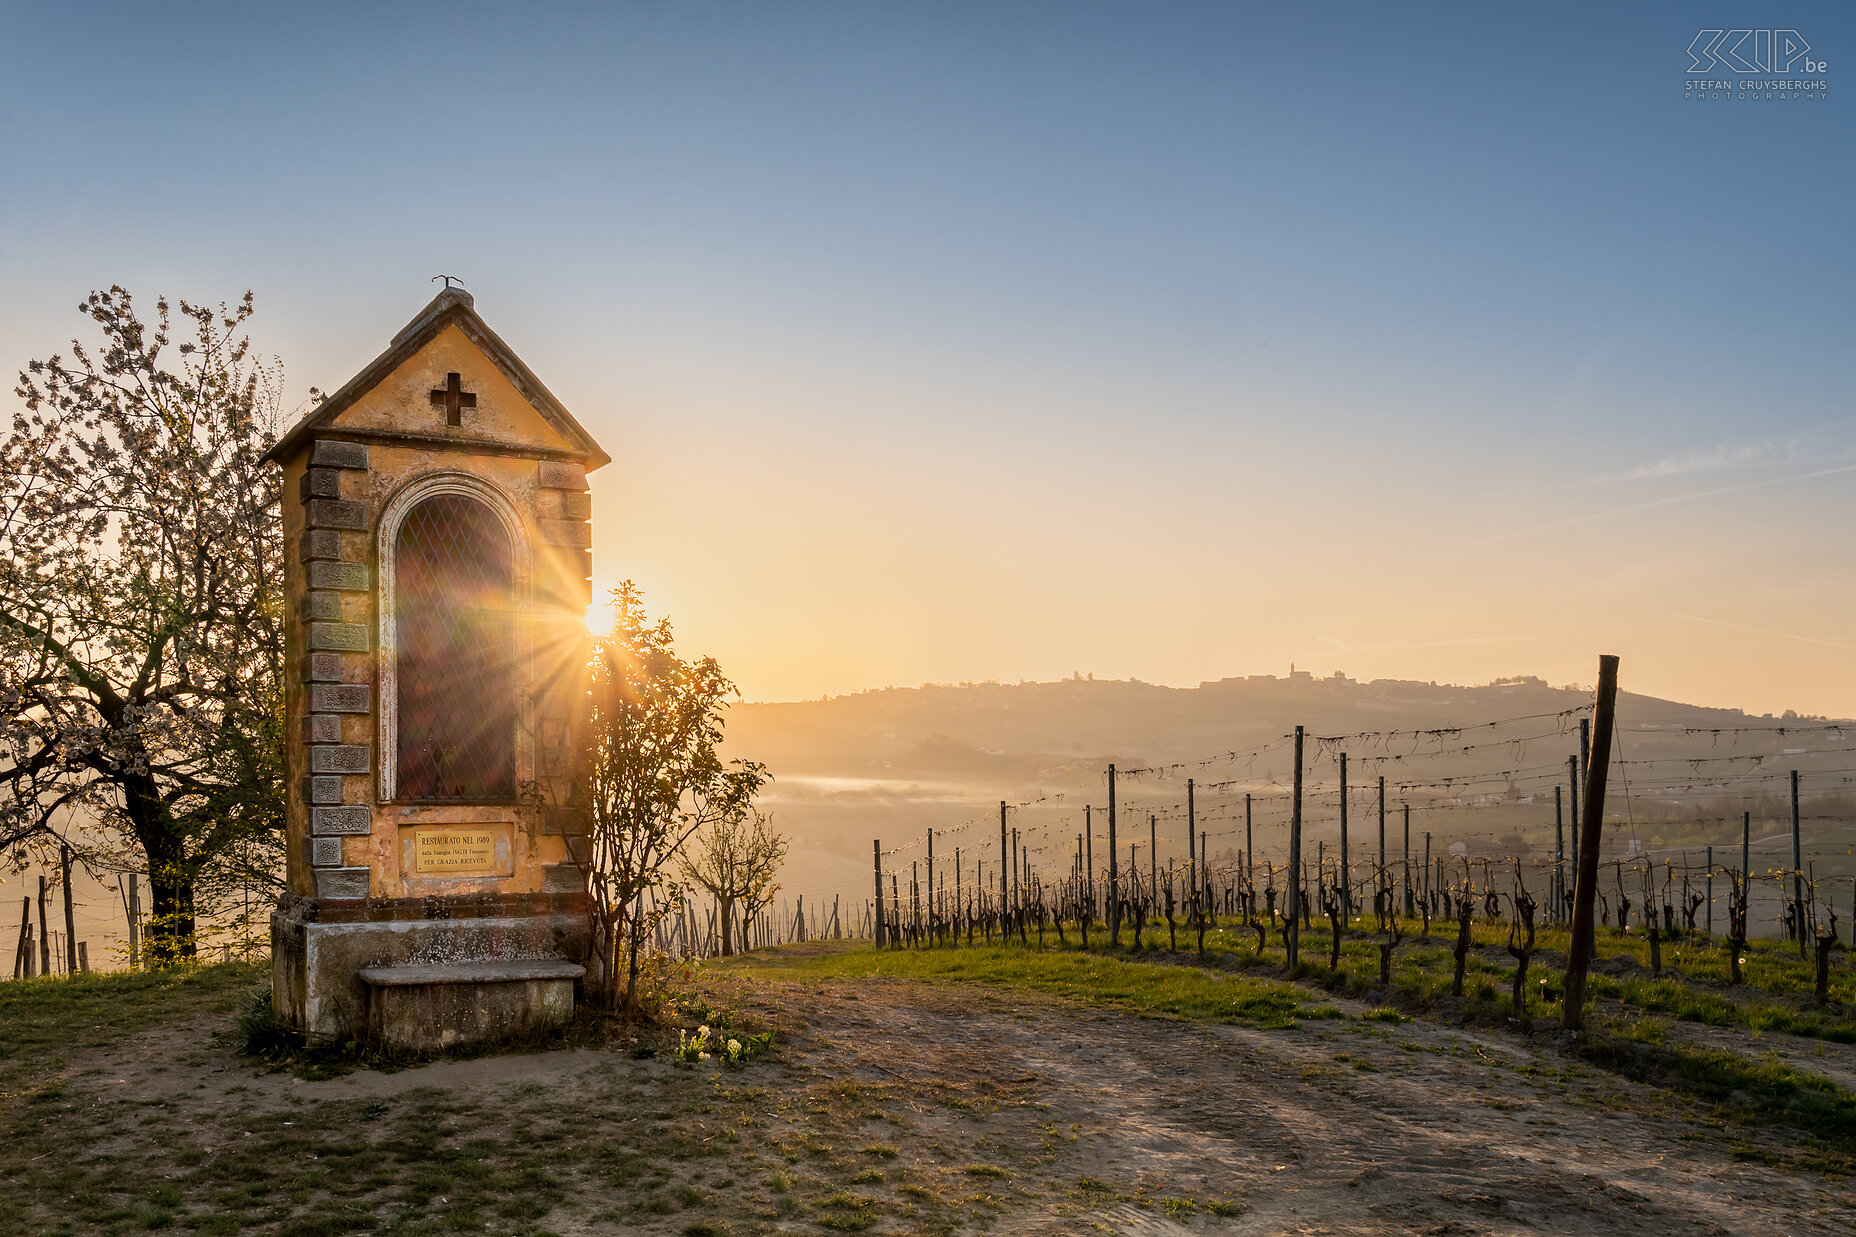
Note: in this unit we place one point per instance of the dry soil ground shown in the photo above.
(900, 1106)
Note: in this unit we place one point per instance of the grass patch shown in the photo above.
(1088, 978)
(1817, 1114)
(217, 1154)
(42, 1019)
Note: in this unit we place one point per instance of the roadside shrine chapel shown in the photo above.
(438, 572)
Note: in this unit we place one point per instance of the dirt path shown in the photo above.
(1335, 1127)
(901, 1107)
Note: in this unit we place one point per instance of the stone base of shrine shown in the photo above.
(425, 1008)
(444, 971)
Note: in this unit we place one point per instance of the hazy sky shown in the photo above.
(948, 342)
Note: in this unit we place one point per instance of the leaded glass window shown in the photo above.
(454, 628)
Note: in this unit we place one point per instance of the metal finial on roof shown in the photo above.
(449, 279)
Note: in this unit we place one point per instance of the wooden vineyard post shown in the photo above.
(1585, 747)
(1709, 930)
(45, 937)
(1746, 851)
(876, 852)
(1559, 857)
(931, 886)
(22, 953)
(1114, 872)
(1024, 853)
(71, 925)
(1382, 841)
(1410, 905)
(1427, 867)
(1153, 858)
(1018, 887)
(1134, 889)
(1192, 834)
(1089, 864)
(1292, 944)
(1572, 782)
(1346, 873)
(1577, 782)
(1250, 847)
(135, 922)
(1005, 862)
(1797, 872)
(1579, 955)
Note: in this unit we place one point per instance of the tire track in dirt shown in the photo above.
(1334, 1127)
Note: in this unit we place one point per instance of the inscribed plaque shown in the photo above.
(460, 850)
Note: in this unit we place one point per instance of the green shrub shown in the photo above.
(259, 1033)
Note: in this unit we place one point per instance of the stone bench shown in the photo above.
(428, 1006)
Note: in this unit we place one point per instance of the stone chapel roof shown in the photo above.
(453, 306)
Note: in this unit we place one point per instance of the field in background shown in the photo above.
(892, 764)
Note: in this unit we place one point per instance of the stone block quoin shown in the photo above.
(340, 821)
(336, 513)
(328, 574)
(340, 698)
(338, 637)
(576, 533)
(339, 758)
(328, 453)
(569, 562)
(345, 577)
(341, 883)
(319, 483)
(322, 788)
(322, 606)
(322, 668)
(558, 476)
(561, 878)
(322, 728)
(320, 543)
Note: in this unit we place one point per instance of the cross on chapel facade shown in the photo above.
(454, 399)
(437, 564)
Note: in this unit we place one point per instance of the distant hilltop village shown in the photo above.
(1327, 690)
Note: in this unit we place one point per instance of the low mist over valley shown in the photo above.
(1477, 765)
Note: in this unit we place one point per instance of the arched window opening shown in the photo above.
(454, 631)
